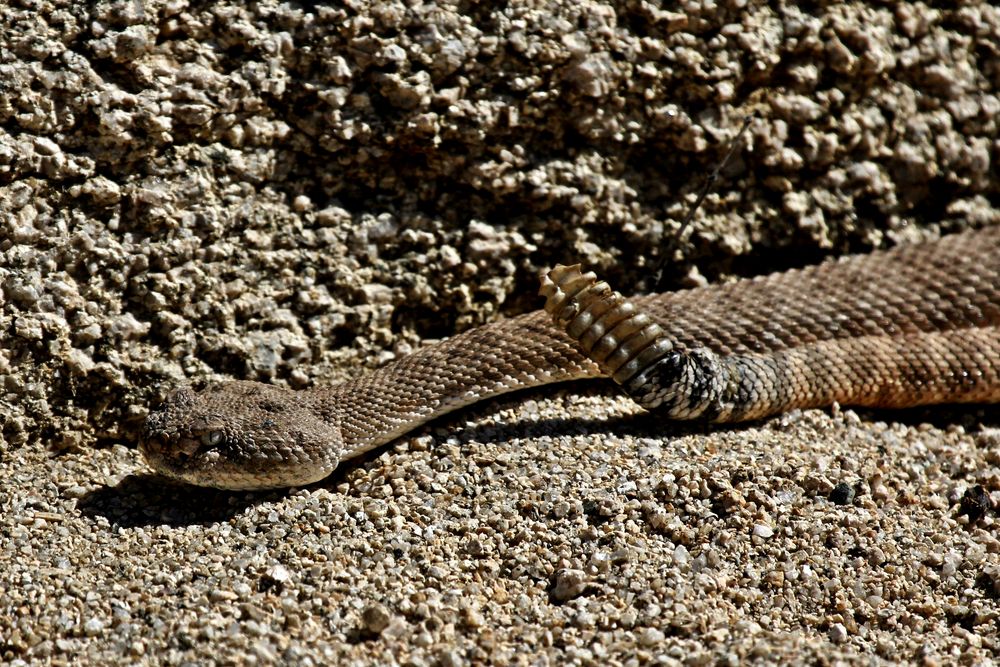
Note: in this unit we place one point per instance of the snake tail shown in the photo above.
(684, 382)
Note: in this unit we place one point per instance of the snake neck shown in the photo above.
(478, 364)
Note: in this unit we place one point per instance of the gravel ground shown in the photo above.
(294, 193)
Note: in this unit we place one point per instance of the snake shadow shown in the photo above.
(145, 500)
(971, 417)
(639, 425)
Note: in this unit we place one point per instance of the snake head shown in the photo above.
(239, 435)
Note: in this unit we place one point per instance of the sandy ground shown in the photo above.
(295, 193)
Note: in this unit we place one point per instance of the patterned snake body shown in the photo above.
(916, 325)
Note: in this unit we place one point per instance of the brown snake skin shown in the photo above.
(915, 325)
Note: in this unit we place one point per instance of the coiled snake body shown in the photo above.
(915, 325)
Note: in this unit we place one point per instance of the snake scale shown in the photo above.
(918, 324)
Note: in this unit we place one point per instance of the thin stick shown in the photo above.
(713, 177)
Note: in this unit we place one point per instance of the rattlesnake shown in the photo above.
(918, 324)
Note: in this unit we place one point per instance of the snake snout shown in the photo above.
(162, 448)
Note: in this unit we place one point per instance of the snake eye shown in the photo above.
(212, 438)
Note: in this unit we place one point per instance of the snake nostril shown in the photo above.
(185, 448)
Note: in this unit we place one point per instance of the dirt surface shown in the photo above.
(294, 193)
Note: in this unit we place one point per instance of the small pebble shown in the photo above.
(568, 584)
(651, 637)
(376, 618)
(681, 556)
(842, 494)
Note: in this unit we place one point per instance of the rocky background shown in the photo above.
(296, 192)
